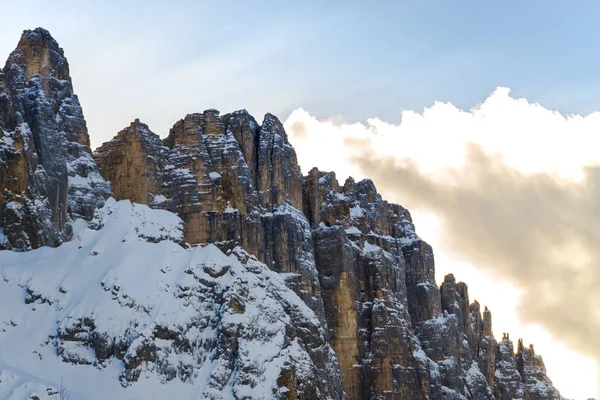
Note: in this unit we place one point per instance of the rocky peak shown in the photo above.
(533, 374)
(508, 384)
(141, 151)
(47, 174)
(487, 323)
(455, 300)
(279, 175)
(39, 54)
(272, 124)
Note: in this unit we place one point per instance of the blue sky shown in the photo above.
(349, 59)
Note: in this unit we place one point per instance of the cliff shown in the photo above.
(247, 280)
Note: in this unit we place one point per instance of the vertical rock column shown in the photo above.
(45, 144)
(358, 241)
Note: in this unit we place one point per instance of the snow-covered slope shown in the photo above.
(124, 311)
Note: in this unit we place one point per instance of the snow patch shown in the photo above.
(214, 175)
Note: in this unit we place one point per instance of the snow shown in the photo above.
(353, 231)
(357, 212)
(341, 196)
(159, 199)
(123, 278)
(7, 139)
(370, 248)
(214, 175)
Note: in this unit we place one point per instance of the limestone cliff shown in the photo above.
(354, 258)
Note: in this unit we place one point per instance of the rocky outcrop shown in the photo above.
(359, 241)
(486, 343)
(47, 174)
(508, 380)
(533, 374)
(131, 162)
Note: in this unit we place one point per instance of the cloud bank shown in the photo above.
(516, 188)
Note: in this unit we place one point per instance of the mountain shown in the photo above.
(219, 271)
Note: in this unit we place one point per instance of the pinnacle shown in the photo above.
(38, 36)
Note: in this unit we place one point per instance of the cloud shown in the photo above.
(516, 188)
(530, 137)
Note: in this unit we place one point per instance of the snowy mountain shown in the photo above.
(230, 276)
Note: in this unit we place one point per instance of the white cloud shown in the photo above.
(529, 137)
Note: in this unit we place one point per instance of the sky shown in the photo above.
(463, 111)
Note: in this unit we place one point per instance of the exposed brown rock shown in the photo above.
(131, 163)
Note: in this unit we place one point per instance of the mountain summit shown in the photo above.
(230, 276)
(47, 175)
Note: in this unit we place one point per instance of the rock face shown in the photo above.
(47, 174)
(339, 272)
(533, 373)
(232, 181)
(359, 241)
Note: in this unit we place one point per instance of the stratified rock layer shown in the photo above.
(47, 174)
